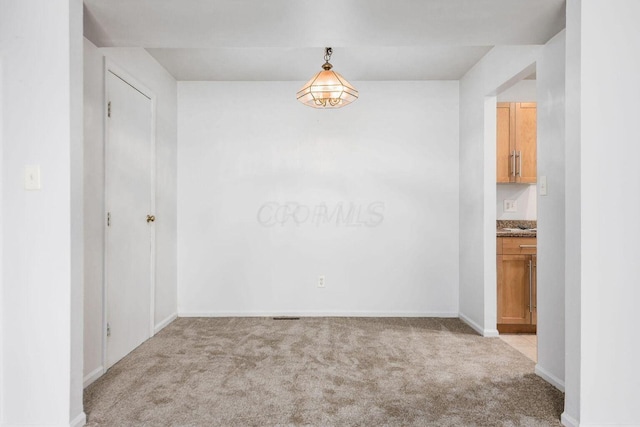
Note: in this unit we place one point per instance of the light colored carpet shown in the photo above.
(322, 372)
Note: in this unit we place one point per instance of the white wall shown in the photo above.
(573, 221)
(42, 238)
(244, 144)
(523, 91)
(551, 212)
(525, 197)
(138, 63)
(608, 41)
(1, 233)
(93, 208)
(496, 71)
(76, 76)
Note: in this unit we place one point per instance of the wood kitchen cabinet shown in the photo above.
(516, 268)
(516, 142)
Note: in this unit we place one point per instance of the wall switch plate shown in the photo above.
(321, 281)
(543, 185)
(32, 178)
(510, 206)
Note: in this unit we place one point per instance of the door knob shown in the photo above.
(151, 218)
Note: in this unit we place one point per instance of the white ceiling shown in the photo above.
(358, 63)
(285, 39)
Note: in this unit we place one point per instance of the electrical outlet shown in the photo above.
(321, 281)
(510, 206)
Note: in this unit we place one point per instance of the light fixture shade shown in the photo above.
(327, 89)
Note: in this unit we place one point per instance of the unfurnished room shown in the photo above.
(303, 213)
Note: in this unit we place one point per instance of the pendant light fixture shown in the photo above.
(327, 89)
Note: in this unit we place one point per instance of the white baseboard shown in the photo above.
(471, 323)
(79, 421)
(491, 333)
(314, 314)
(92, 376)
(487, 333)
(160, 326)
(550, 378)
(568, 420)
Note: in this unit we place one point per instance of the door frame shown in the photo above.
(111, 67)
(490, 280)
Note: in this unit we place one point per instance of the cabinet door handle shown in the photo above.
(520, 168)
(528, 246)
(530, 289)
(535, 302)
(513, 163)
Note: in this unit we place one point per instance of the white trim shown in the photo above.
(568, 420)
(1, 251)
(487, 333)
(316, 314)
(111, 67)
(105, 123)
(471, 323)
(92, 376)
(490, 274)
(160, 326)
(152, 261)
(550, 378)
(79, 421)
(491, 333)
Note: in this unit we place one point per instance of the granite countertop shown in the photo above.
(512, 228)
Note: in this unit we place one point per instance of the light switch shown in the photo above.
(32, 178)
(543, 185)
(510, 206)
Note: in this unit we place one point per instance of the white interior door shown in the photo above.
(129, 235)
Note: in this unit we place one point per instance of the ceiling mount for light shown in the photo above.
(327, 89)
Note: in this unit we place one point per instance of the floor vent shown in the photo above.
(286, 318)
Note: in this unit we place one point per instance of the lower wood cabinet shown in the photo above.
(516, 267)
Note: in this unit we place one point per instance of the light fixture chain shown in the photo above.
(327, 53)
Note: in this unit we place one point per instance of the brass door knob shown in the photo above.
(151, 218)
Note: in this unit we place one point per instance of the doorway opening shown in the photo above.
(516, 215)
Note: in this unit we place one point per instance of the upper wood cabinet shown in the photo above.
(516, 142)
(505, 142)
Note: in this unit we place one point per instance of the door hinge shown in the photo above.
(108, 330)
(108, 219)
(109, 109)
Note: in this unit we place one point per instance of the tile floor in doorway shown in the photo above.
(526, 344)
